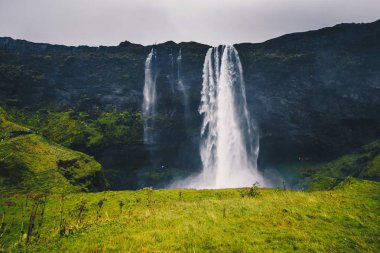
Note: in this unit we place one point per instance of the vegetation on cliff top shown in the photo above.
(81, 130)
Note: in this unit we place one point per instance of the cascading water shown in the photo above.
(228, 147)
(149, 101)
(172, 74)
(181, 87)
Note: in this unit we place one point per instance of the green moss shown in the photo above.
(62, 128)
(323, 184)
(82, 131)
(352, 184)
(3, 114)
(31, 163)
(7, 127)
(341, 167)
(371, 146)
(38, 77)
(10, 72)
(365, 163)
(283, 56)
(372, 170)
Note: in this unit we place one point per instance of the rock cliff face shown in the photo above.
(313, 95)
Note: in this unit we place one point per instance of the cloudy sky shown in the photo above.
(108, 22)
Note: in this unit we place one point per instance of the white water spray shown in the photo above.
(149, 101)
(229, 147)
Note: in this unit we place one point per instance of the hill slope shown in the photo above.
(364, 163)
(31, 163)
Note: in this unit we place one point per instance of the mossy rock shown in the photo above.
(31, 163)
(372, 170)
(3, 114)
(8, 128)
(364, 164)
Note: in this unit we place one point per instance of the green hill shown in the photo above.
(365, 164)
(31, 163)
(7, 127)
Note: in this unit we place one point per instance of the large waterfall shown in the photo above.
(229, 145)
(149, 101)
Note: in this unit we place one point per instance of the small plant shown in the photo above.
(42, 203)
(81, 208)
(9, 203)
(37, 201)
(100, 205)
(23, 207)
(3, 226)
(62, 223)
(149, 193)
(253, 191)
(121, 204)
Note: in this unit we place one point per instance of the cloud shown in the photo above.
(100, 22)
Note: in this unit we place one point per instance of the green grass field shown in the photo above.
(345, 219)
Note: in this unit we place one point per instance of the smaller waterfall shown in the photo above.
(149, 101)
(181, 87)
(172, 73)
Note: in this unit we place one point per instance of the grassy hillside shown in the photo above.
(232, 220)
(6, 126)
(365, 164)
(31, 163)
(81, 130)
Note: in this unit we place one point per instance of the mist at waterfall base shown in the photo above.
(229, 140)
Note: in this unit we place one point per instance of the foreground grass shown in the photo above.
(343, 220)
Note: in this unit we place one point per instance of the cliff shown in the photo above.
(314, 95)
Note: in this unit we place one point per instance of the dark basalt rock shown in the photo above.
(314, 94)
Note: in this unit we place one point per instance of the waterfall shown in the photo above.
(181, 87)
(172, 75)
(149, 101)
(229, 142)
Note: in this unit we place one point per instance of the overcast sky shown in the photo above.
(213, 22)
